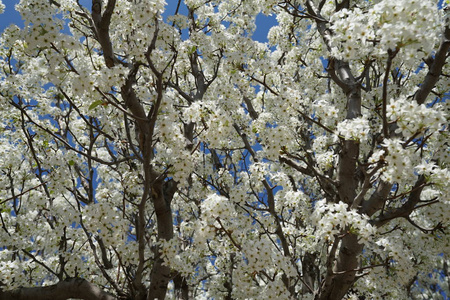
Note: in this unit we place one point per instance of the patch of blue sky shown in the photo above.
(10, 15)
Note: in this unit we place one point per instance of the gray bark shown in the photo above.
(70, 288)
(342, 275)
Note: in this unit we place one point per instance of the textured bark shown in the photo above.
(310, 272)
(435, 68)
(347, 182)
(181, 288)
(377, 199)
(153, 183)
(102, 21)
(70, 288)
(162, 193)
(406, 209)
(339, 281)
(342, 273)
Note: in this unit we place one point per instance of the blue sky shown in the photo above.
(10, 16)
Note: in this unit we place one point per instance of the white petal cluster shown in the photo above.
(331, 218)
(413, 119)
(410, 25)
(399, 161)
(182, 261)
(326, 160)
(326, 111)
(216, 206)
(356, 129)
(273, 135)
(268, 127)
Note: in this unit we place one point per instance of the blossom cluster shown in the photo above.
(326, 111)
(250, 132)
(354, 129)
(400, 161)
(413, 119)
(273, 136)
(215, 207)
(387, 25)
(332, 219)
(326, 160)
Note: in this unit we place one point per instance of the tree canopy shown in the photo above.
(160, 151)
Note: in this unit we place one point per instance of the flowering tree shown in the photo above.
(147, 157)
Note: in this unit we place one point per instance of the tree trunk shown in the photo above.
(337, 284)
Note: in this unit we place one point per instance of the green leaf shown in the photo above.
(192, 50)
(71, 162)
(95, 104)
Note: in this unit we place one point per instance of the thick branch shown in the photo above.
(406, 208)
(162, 194)
(102, 23)
(377, 199)
(251, 110)
(344, 271)
(293, 164)
(367, 184)
(70, 288)
(435, 70)
(320, 22)
(337, 283)
(385, 81)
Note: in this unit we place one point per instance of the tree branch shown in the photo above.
(391, 56)
(406, 208)
(70, 288)
(377, 199)
(102, 29)
(435, 70)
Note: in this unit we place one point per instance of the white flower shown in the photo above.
(412, 118)
(354, 129)
(216, 206)
(402, 24)
(425, 168)
(399, 160)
